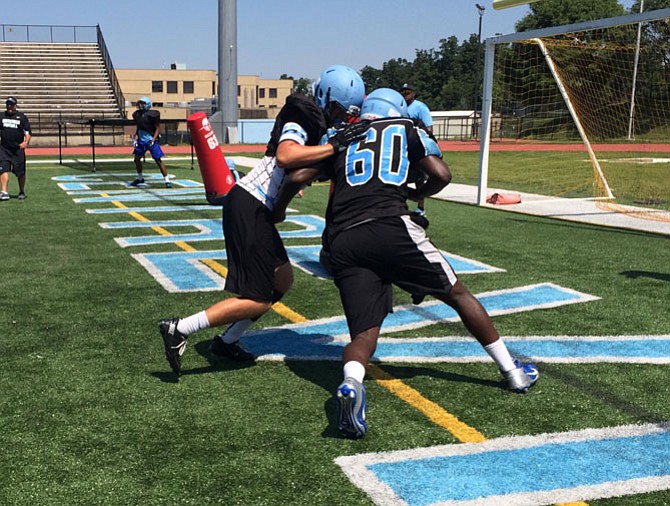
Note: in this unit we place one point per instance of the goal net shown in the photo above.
(581, 111)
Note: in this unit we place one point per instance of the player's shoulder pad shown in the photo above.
(301, 104)
(301, 109)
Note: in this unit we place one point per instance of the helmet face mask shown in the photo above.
(384, 103)
(339, 93)
(144, 103)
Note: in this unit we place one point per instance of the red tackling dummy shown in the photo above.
(216, 175)
(504, 198)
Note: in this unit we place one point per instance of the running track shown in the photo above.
(444, 146)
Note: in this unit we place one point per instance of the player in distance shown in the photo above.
(145, 138)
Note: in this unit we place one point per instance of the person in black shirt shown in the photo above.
(14, 139)
(145, 139)
(374, 242)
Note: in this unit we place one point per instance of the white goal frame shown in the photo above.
(491, 42)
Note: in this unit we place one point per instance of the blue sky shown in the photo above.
(296, 37)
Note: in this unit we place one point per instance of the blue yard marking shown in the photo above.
(181, 271)
(592, 464)
(160, 190)
(633, 349)
(156, 209)
(308, 226)
(324, 339)
(142, 196)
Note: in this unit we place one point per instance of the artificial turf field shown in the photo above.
(91, 413)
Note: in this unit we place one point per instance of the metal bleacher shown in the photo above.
(59, 84)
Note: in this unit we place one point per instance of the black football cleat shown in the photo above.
(174, 341)
(233, 351)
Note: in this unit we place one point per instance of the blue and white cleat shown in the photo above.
(521, 378)
(351, 408)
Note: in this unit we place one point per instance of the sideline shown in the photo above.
(578, 210)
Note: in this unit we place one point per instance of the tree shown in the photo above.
(564, 12)
(303, 85)
(300, 85)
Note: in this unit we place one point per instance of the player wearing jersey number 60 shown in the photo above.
(374, 243)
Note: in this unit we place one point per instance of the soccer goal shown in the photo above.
(587, 104)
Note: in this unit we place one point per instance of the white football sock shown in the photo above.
(193, 323)
(353, 369)
(500, 355)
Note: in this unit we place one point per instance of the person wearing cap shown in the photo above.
(14, 139)
(419, 111)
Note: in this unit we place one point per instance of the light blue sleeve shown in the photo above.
(419, 110)
(294, 132)
(424, 114)
(429, 144)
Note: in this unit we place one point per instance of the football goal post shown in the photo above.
(594, 100)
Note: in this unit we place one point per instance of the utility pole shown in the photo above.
(224, 120)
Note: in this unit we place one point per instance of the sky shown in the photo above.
(295, 37)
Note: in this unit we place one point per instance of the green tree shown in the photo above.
(564, 12)
(300, 85)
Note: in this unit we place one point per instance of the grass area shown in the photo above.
(634, 177)
(90, 413)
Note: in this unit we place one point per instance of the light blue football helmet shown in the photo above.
(146, 101)
(384, 103)
(340, 85)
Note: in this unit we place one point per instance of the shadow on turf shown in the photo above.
(328, 375)
(557, 221)
(215, 365)
(646, 274)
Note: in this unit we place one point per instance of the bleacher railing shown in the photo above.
(116, 87)
(48, 33)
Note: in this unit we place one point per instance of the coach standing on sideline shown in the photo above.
(14, 139)
(417, 110)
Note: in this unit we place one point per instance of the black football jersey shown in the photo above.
(370, 178)
(147, 120)
(302, 110)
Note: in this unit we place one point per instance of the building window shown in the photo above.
(261, 92)
(172, 86)
(188, 87)
(273, 92)
(239, 90)
(157, 86)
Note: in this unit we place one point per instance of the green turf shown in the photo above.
(632, 177)
(91, 415)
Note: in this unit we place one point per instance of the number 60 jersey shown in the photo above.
(370, 178)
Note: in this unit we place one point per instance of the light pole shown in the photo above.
(475, 98)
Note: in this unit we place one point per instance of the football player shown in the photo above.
(259, 272)
(375, 242)
(146, 138)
